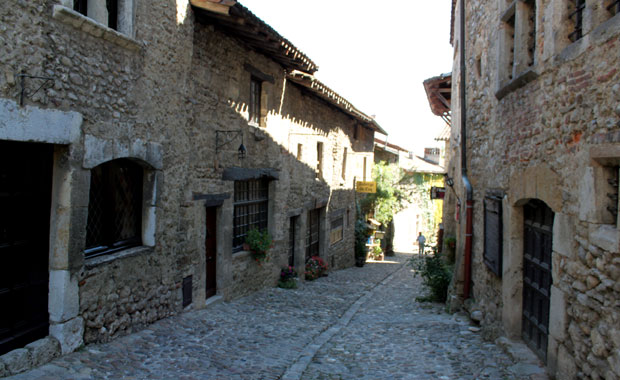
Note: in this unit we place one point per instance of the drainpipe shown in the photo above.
(466, 183)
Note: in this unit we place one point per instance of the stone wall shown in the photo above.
(157, 94)
(553, 137)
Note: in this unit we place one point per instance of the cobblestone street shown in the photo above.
(358, 323)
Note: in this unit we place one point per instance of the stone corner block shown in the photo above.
(557, 317)
(566, 364)
(44, 350)
(64, 302)
(605, 236)
(564, 235)
(16, 361)
(70, 335)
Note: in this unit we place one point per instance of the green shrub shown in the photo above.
(436, 275)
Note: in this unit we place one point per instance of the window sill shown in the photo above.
(106, 259)
(87, 25)
(599, 35)
(515, 84)
(241, 255)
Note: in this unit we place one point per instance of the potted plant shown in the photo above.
(315, 268)
(288, 278)
(377, 252)
(258, 243)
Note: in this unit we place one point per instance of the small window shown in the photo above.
(251, 206)
(575, 15)
(300, 148)
(337, 230)
(114, 207)
(612, 193)
(356, 132)
(493, 234)
(613, 7)
(255, 105)
(106, 13)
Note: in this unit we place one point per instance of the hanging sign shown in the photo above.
(366, 186)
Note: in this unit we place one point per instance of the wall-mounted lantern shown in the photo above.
(228, 137)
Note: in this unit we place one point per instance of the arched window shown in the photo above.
(114, 207)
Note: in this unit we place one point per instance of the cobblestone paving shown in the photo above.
(358, 323)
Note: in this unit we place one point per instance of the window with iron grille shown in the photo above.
(518, 53)
(493, 234)
(114, 207)
(575, 15)
(337, 230)
(81, 6)
(255, 106)
(251, 206)
(613, 7)
(313, 232)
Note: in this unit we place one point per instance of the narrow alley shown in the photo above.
(357, 323)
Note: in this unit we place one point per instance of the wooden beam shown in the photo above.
(211, 6)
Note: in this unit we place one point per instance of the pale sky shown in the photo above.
(374, 53)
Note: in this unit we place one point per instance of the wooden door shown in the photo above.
(211, 252)
(25, 202)
(313, 234)
(537, 239)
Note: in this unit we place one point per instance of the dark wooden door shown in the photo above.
(25, 202)
(312, 236)
(537, 239)
(211, 253)
(291, 241)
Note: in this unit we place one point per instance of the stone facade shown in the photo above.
(162, 91)
(543, 123)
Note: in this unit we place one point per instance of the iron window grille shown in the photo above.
(576, 16)
(255, 101)
(250, 209)
(114, 208)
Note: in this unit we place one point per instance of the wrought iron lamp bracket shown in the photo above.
(22, 83)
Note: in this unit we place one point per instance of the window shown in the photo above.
(517, 44)
(102, 11)
(250, 209)
(493, 233)
(319, 160)
(312, 236)
(255, 106)
(344, 164)
(613, 7)
(365, 169)
(299, 151)
(575, 15)
(114, 207)
(337, 230)
(612, 193)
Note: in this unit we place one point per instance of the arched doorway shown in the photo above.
(537, 280)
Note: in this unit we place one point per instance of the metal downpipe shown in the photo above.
(470, 191)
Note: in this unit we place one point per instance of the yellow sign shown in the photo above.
(366, 186)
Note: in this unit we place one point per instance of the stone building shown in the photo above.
(541, 129)
(139, 142)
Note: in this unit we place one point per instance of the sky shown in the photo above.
(374, 53)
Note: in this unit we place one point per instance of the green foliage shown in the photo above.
(259, 242)
(387, 200)
(361, 235)
(436, 275)
(419, 195)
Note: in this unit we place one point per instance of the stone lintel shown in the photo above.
(244, 174)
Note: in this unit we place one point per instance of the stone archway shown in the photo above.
(537, 183)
